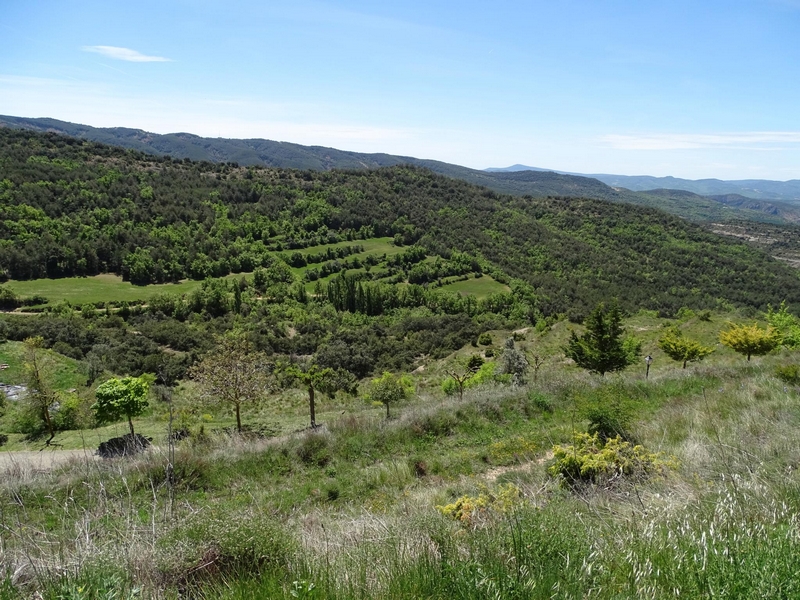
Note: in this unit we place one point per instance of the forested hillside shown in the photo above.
(537, 183)
(78, 208)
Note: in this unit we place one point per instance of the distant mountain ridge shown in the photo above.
(518, 180)
(757, 189)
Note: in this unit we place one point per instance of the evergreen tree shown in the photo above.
(602, 348)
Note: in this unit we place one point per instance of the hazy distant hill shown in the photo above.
(518, 180)
(758, 189)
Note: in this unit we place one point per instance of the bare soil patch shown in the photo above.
(43, 460)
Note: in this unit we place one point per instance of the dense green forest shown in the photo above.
(71, 207)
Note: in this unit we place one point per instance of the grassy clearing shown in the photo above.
(480, 288)
(110, 288)
(66, 372)
(100, 288)
(372, 246)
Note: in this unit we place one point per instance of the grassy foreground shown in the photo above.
(350, 510)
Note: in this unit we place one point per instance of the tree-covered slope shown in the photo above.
(70, 207)
(537, 182)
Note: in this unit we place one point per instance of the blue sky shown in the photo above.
(684, 88)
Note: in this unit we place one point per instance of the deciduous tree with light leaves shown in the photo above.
(234, 374)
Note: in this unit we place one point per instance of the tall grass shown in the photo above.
(348, 511)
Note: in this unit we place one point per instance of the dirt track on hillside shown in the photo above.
(43, 460)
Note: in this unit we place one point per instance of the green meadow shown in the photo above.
(100, 288)
(111, 288)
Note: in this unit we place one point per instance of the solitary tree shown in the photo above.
(41, 396)
(750, 339)
(513, 362)
(117, 398)
(389, 389)
(316, 378)
(602, 348)
(233, 373)
(683, 349)
(461, 377)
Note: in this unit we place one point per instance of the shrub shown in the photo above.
(609, 422)
(314, 449)
(3, 439)
(682, 349)
(590, 460)
(437, 424)
(72, 413)
(789, 374)
(750, 340)
(512, 450)
(219, 544)
(8, 299)
(540, 401)
(467, 509)
(485, 339)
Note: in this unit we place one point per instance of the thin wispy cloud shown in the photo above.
(126, 54)
(689, 141)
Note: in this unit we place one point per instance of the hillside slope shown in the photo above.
(756, 189)
(79, 208)
(251, 152)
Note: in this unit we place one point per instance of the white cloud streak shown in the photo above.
(751, 140)
(125, 54)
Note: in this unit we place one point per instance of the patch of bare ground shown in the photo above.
(493, 474)
(41, 461)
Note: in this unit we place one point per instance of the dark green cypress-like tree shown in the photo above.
(602, 348)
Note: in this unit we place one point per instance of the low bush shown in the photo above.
(591, 460)
(540, 402)
(218, 543)
(789, 374)
(314, 449)
(469, 509)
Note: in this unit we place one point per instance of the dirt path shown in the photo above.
(493, 474)
(43, 460)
